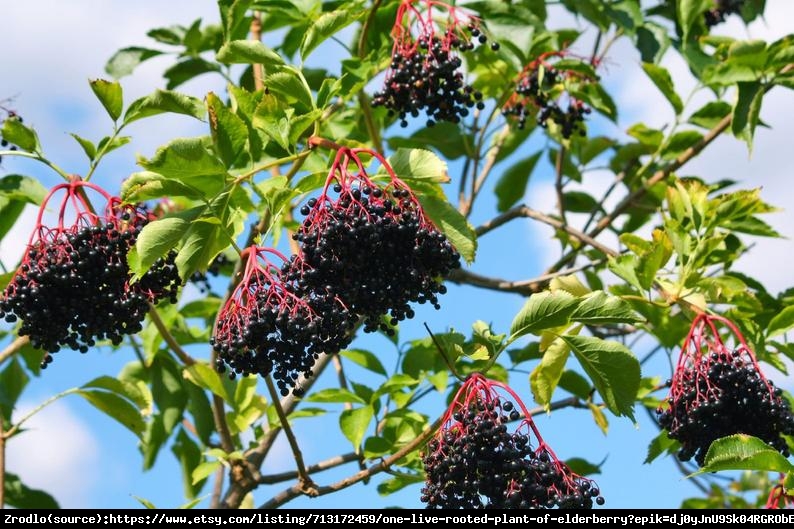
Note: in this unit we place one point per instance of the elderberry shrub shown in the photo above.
(274, 323)
(425, 75)
(476, 462)
(533, 96)
(73, 287)
(372, 246)
(721, 9)
(717, 392)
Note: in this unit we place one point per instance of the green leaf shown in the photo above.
(116, 407)
(710, 114)
(646, 135)
(88, 148)
(690, 13)
(597, 97)
(146, 503)
(288, 85)
(13, 131)
(158, 237)
(625, 267)
(189, 455)
(547, 374)
(124, 388)
(189, 161)
(661, 444)
(614, 370)
(124, 61)
(354, 424)
(184, 71)
(680, 142)
(513, 183)
(744, 452)
(575, 384)
(248, 52)
(746, 111)
(162, 101)
(582, 466)
(173, 35)
(327, 25)
(600, 308)
(20, 496)
(781, 323)
(365, 359)
(229, 132)
(13, 380)
(109, 94)
(418, 164)
(146, 185)
(445, 137)
(750, 53)
(544, 310)
(452, 224)
(661, 78)
(204, 470)
(22, 188)
(204, 376)
(335, 395)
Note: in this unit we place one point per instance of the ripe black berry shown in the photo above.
(73, 287)
(425, 72)
(202, 279)
(372, 245)
(717, 392)
(275, 322)
(536, 94)
(721, 9)
(475, 461)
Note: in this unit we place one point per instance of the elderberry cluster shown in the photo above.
(722, 8)
(726, 395)
(375, 251)
(477, 463)
(427, 77)
(532, 96)
(275, 322)
(73, 287)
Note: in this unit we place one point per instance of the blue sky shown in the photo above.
(51, 48)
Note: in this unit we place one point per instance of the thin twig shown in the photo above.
(256, 34)
(524, 287)
(169, 338)
(217, 488)
(13, 348)
(305, 482)
(363, 99)
(340, 375)
(558, 183)
(332, 462)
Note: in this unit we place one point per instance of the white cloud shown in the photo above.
(56, 453)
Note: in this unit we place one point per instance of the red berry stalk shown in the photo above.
(780, 497)
(718, 390)
(73, 286)
(425, 70)
(371, 244)
(539, 90)
(474, 461)
(273, 323)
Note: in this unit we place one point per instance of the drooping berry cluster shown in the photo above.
(476, 461)
(717, 391)
(276, 322)
(73, 286)
(721, 9)
(780, 497)
(539, 91)
(371, 244)
(425, 72)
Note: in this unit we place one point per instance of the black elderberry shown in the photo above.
(202, 279)
(474, 462)
(380, 252)
(73, 287)
(276, 322)
(721, 392)
(721, 10)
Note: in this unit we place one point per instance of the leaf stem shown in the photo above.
(307, 486)
(40, 158)
(169, 338)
